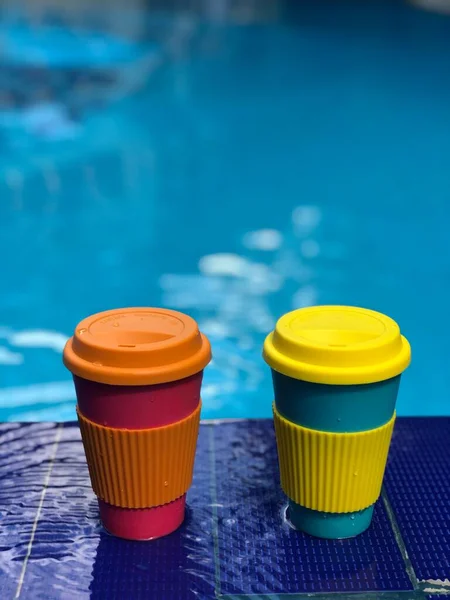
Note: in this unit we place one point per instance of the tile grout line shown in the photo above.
(215, 517)
(38, 512)
(399, 539)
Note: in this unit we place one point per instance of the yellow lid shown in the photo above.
(339, 345)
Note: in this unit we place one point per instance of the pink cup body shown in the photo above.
(139, 407)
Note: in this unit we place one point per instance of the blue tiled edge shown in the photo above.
(261, 555)
(418, 485)
(22, 479)
(234, 542)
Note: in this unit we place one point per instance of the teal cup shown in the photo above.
(336, 373)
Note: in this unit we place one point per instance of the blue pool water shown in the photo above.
(294, 157)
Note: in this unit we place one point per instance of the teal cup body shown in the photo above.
(337, 409)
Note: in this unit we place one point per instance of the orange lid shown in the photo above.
(137, 346)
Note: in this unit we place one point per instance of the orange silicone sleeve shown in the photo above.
(141, 468)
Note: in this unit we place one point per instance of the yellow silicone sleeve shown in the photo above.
(140, 468)
(331, 472)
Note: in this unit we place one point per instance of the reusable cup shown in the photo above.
(336, 373)
(137, 375)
